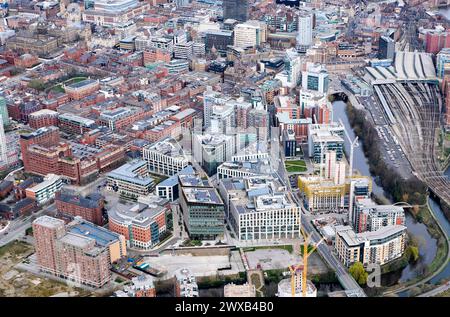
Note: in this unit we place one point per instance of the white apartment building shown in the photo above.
(371, 217)
(250, 34)
(164, 157)
(376, 247)
(305, 30)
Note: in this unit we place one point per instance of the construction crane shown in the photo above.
(294, 268)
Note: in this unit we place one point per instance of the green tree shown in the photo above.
(359, 273)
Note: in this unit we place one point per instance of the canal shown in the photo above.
(427, 244)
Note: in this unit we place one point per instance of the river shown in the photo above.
(428, 245)
(445, 12)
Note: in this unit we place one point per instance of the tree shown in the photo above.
(359, 273)
(36, 84)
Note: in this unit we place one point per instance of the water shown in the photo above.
(428, 245)
(445, 12)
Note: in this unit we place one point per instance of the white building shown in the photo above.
(305, 31)
(371, 247)
(260, 208)
(371, 217)
(291, 76)
(165, 157)
(250, 34)
(45, 191)
(183, 50)
(315, 78)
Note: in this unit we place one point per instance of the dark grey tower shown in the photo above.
(235, 9)
(386, 48)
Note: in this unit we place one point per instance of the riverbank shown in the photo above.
(411, 190)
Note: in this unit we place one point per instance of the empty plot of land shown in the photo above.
(273, 259)
(199, 265)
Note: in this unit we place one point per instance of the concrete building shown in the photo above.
(131, 180)
(371, 247)
(169, 188)
(69, 255)
(250, 34)
(260, 165)
(305, 32)
(260, 208)
(73, 124)
(165, 157)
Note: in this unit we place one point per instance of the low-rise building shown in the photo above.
(89, 207)
(245, 290)
(45, 191)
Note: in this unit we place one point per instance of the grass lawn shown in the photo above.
(59, 87)
(447, 136)
(295, 166)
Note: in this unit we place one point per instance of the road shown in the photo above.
(347, 281)
(436, 291)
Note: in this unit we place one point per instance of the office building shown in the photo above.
(140, 223)
(73, 256)
(218, 39)
(235, 9)
(3, 147)
(250, 34)
(370, 247)
(43, 118)
(236, 168)
(386, 48)
(325, 137)
(211, 150)
(202, 207)
(131, 180)
(443, 62)
(327, 195)
(165, 157)
(73, 124)
(260, 208)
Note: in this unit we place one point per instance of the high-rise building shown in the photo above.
(74, 256)
(4, 111)
(386, 48)
(371, 217)
(250, 34)
(3, 149)
(305, 32)
(235, 9)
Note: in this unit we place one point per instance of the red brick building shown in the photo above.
(89, 208)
